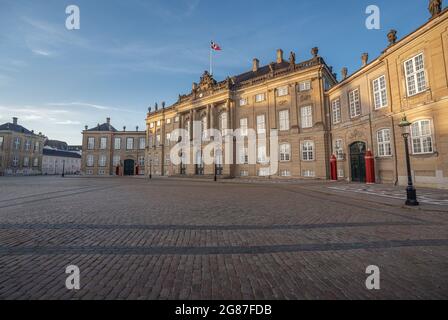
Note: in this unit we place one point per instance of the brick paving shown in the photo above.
(170, 239)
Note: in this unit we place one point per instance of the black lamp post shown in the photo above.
(411, 192)
(63, 168)
(150, 168)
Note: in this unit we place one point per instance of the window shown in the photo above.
(308, 151)
(355, 105)
(90, 143)
(141, 161)
(244, 157)
(243, 127)
(307, 117)
(260, 97)
(129, 143)
(28, 145)
(380, 92)
(261, 124)
(168, 121)
(102, 161)
(339, 149)
(89, 172)
(305, 86)
(421, 132)
(285, 173)
(283, 91)
(15, 161)
(284, 120)
(90, 160)
(243, 102)
(36, 146)
(261, 154)
(415, 75)
(336, 111)
(116, 161)
(158, 123)
(142, 143)
(309, 173)
(168, 138)
(264, 172)
(36, 162)
(117, 143)
(158, 141)
(383, 139)
(341, 173)
(285, 152)
(223, 123)
(101, 172)
(176, 119)
(244, 173)
(204, 126)
(1, 142)
(151, 125)
(17, 143)
(103, 143)
(26, 162)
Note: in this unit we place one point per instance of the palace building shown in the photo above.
(20, 150)
(317, 117)
(107, 151)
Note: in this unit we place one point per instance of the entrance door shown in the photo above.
(129, 167)
(358, 161)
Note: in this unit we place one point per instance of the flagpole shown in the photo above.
(211, 62)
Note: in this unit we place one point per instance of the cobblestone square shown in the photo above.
(181, 239)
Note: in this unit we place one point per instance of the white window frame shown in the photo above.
(261, 125)
(285, 173)
(306, 117)
(90, 160)
(260, 97)
(354, 99)
(103, 143)
(168, 138)
(339, 149)
(379, 86)
(243, 102)
(336, 113)
(116, 160)
(168, 121)
(142, 143)
(384, 141)
(90, 143)
(261, 153)
(307, 150)
(415, 75)
(422, 137)
(283, 118)
(129, 143)
(304, 86)
(244, 127)
(102, 161)
(285, 152)
(282, 91)
(36, 162)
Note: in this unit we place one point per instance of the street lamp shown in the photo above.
(63, 168)
(411, 192)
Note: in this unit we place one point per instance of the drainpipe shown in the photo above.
(395, 152)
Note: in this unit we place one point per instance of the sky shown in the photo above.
(130, 54)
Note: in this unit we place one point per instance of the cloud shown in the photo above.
(69, 122)
(41, 52)
(89, 105)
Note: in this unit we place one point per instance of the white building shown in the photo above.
(55, 161)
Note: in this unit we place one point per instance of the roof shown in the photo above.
(15, 127)
(103, 127)
(61, 153)
(56, 144)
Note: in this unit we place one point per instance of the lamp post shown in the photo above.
(63, 168)
(150, 168)
(411, 199)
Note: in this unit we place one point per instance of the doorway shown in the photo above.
(358, 161)
(129, 167)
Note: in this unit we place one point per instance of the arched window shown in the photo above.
(204, 127)
(223, 122)
(422, 139)
(285, 152)
(383, 139)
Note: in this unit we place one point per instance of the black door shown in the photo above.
(358, 161)
(129, 167)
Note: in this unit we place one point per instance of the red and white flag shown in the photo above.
(215, 46)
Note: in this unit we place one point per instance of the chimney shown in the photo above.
(279, 56)
(124, 128)
(14, 120)
(136, 128)
(255, 65)
(365, 59)
(86, 127)
(108, 120)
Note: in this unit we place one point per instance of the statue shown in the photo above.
(315, 52)
(156, 106)
(271, 67)
(365, 59)
(163, 105)
(392, 37)
(149, 110)
(435, 7)
(292, 58)
(344, 73)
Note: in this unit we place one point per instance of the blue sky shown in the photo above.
(130, 54)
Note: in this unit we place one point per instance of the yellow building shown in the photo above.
(316, 116)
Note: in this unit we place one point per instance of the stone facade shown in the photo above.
(20, 150)
(56, 162)
(348, 118)
(106, 151)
